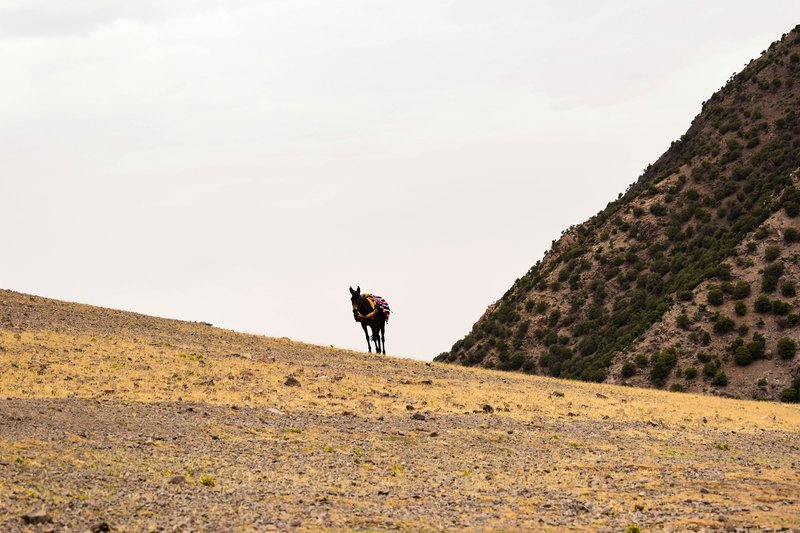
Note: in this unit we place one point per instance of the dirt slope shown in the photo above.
(708, 230)
(144, 424)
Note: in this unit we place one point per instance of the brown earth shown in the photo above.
(144, 424)
(610, 290)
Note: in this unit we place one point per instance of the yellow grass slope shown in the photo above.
(628, 457)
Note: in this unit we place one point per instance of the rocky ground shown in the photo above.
(121, 422)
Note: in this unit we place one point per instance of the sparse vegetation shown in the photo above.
(786, 348)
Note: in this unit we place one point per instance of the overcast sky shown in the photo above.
(244, 162)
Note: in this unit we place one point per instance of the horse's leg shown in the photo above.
(376, 337)
(383, 337)
(369, 347)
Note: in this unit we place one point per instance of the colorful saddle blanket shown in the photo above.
(380, 303)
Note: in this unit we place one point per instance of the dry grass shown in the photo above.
(148, 399)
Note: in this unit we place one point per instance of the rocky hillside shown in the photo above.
(114, 421)
(689, 279)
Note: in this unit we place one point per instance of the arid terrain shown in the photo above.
(689, 279)
(117, 421)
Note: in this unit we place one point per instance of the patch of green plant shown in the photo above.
(786, 347)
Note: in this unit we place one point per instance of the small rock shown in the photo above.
(559, 394)
(101, 527)
(409, 407)
(274, 411)
(704, 420)
(38, 517)
(177, 480)
(601, 396)
(487, 408)
(383, 493)
(418, 416)
(291, 381)
(703, 490)
(653, 423)
(434, 434)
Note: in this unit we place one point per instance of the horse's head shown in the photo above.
(355, 296)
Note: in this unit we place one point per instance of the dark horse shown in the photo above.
(369, 314)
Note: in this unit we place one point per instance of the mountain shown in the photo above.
(688, 280)
(116, 421)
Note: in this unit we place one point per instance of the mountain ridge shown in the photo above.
(703, 217)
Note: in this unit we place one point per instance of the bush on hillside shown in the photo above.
(771, 253)
(723, 324)
(788, 289)
(628, 369)
(786, 347)
(715, 296)
(742, 356)
(780, 308)
(770, 277)
(792, 393)
(720, 380)
(662, 364)
(741, 290)
(762, 304)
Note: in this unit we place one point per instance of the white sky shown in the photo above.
(244, 162)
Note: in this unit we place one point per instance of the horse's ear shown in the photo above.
(352, 291)
(358, 289)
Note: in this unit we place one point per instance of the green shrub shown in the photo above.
(786, 347)
(762, 304)
(628, 369)
(742, 356)
(780, 308)
(771, 253)
(792, 393)
(683, 321)
(720, 380)
(641, 360)
(710, 369)
(723, 325)
(770, 277)
(662, 364)
(677, 387)
(741, 290)
(791, 235)
(685, 296)
(690, 373)
(757, 346)
(554, 317)
(740, 308)
(792, 320)
(788, 289)
(715, 296)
